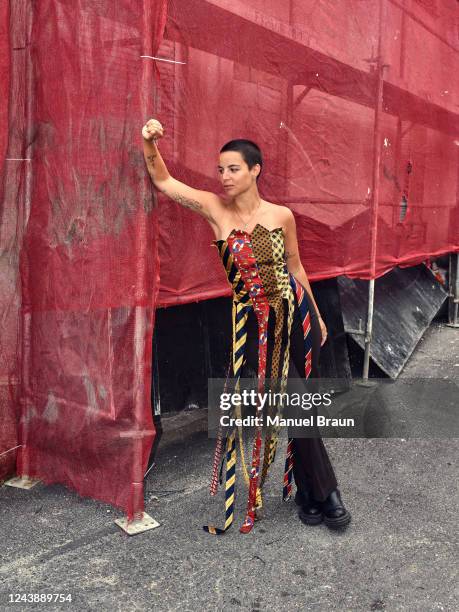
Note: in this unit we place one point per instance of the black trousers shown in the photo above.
(312, 471)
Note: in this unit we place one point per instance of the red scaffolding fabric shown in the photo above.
(84, 241)
(250, 65)
(80, 230)
(9, 296)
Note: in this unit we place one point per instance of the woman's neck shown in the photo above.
(247, 202)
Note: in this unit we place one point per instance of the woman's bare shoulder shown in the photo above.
(282, 213)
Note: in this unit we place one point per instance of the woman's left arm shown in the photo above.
(294, 264)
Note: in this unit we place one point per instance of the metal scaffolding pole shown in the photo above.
(20, 150)
(143, 325)
(375, 192)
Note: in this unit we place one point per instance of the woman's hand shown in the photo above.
(323, 329)
(152, 130)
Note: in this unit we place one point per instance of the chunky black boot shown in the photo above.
(334, 512)
(310, 512)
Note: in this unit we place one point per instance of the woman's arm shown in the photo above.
(205, 203)
(294, 264)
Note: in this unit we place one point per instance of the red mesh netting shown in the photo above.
(250, 65)
(354, 106)
(79, 226)
(9, 294)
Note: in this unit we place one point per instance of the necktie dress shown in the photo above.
(271, 315)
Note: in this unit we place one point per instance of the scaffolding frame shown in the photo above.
(372, 92)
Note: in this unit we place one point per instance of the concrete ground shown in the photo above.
(398, 553)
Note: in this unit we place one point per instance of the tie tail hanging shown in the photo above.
(229, 487)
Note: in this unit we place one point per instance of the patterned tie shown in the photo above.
(219, 446)
(240, 313)
(229, 487)
(306, 324)
(272, 441)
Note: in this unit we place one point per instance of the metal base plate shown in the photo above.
(22, 482)
(138, 526)
(365, 382)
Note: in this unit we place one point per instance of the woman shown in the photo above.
(277, 328)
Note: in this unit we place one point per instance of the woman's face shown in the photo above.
(235, 175)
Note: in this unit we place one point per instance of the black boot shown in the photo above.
(310, 512)
(335, 514)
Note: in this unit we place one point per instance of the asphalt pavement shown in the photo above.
(398, 553)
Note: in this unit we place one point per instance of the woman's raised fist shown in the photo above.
(152, 130)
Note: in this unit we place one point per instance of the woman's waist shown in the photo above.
(257, 294)
(260, 299)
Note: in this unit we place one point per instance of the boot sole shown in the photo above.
(310, 520)
(337, 523)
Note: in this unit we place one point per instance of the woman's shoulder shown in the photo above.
(282, 213)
